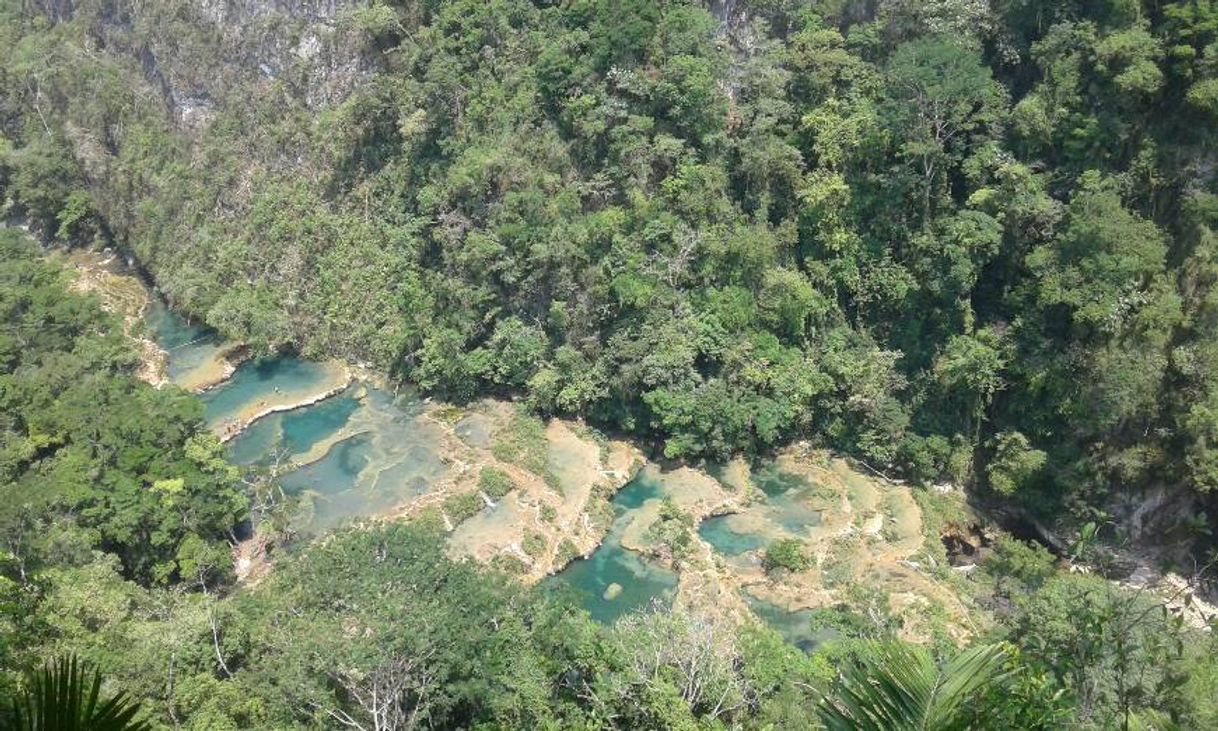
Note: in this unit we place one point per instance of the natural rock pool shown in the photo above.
(355, 451)
(614, 580)
(260, 387)
(194, 354)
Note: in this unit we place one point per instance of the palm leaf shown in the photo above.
(62, 696)
(898, 687)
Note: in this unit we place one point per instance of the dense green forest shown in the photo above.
(960, 240)
(963, 241)
(117, 511)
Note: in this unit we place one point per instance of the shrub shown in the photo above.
(567, 552)
(463, 507)
(786, 553)
(534, 544)
(495, 482)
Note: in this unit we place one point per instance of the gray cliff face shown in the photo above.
(197, 53)
(301, 42)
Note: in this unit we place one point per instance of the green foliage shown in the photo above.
(449, 643)
(1028, 565)
(1114, 653)
(85, 444)
(566, 553)
(786, 553)
(1014, 464)
(959, 241)
(673, 530)
(898, 686)
(534, 544)
(845, 623)
(910, 234)
(63, 696)
(460, 508)
(495, 483)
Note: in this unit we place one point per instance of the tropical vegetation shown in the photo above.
(963, 241)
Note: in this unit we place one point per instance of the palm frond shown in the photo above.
(63, 696)
(898, 687)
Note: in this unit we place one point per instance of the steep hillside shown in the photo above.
(962, 242)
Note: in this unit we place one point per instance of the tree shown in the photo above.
(941, 99)
(1117, 653)
(1014, 464)
(973, 366)
(63, 696)
(898, 687)
(1103, 266)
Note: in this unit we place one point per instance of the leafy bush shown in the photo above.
(464, 506)
(786, 553)
(495, 482)
(567, 552)
(534, 544)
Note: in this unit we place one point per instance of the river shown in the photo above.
(356, 451)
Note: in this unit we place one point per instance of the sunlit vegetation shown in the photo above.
(961, 242)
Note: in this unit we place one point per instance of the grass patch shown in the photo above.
(430, 518)
(522, 441)
(838, 567)
(510, 564)
(534, 544)
(495, 482)
(449, 414)
(460, 508)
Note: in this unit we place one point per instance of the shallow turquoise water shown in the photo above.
(335, 473)
(791, 508)
(791, 503)
(642, 581)
(187, 346)
(293, 432)
(393, 457)
(795, 627)
(776, 483)
(396, 458)
(718, 532)
(636, 492)
(259, 380)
